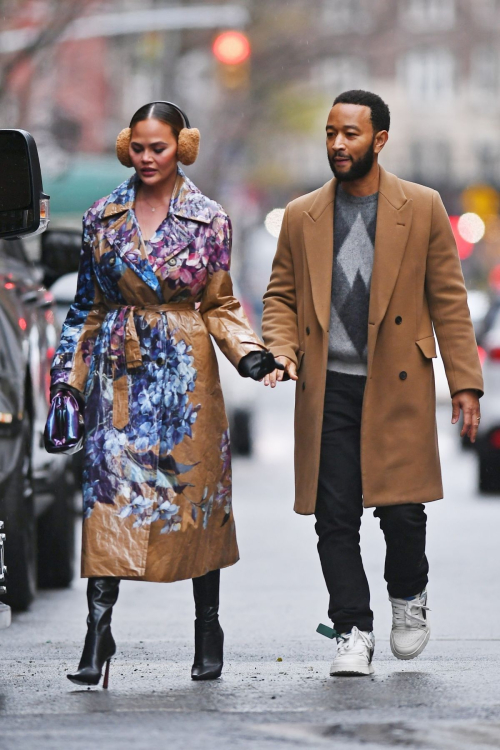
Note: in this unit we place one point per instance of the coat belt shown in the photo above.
(125, 351)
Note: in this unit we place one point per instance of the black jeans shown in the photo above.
(339, 508)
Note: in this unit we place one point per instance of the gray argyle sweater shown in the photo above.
(354, 240)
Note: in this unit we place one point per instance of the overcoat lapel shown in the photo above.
(318, 241)
(394, 217)
(123, 235)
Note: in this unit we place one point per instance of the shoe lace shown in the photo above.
(349, 641)
(410, 613)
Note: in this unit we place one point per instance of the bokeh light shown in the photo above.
(274, 220)
(231, 48)
(471, 227)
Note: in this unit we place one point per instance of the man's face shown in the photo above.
(351, 142)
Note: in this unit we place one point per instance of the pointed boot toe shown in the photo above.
(209, 650)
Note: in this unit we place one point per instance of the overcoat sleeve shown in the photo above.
(222, 313)
(447, 298)
(279, 321)
(83, 321)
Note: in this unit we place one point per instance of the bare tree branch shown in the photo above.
(63, 14)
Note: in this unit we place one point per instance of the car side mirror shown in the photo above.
(24, 207)
(60, 253)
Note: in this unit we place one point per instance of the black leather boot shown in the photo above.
(100, 646)
(208, 635)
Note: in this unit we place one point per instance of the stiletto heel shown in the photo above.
(106, 676)
(99, 647)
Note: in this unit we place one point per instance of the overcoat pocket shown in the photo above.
(427, 346)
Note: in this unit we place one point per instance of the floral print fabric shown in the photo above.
(137, 342)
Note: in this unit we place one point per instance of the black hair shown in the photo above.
(160, 111)
(380, 115)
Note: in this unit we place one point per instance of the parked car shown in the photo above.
(36, 489)
(488, 437)
(4, 609)
(60, 255)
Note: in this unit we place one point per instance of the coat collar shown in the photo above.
(187, 202)
(393, 226)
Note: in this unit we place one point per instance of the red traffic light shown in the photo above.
(231, 48)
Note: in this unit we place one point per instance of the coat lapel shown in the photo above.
(318, 240)
(123, 235)
(394, 217)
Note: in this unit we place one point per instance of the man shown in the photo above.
(365, 271)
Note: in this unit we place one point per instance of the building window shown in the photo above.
(341, 16)
(428, 15)
(485, 74)
(428, 76)
(339, 73)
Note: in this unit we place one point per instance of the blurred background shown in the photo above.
(258, 79)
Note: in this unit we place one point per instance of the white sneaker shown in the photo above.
(410, 629)
(354, 653)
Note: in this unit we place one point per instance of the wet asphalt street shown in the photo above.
(275, 691)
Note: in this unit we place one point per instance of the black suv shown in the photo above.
(37, 490)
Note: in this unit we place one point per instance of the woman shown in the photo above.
(136, 350)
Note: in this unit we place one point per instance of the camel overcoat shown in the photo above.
(417, 290)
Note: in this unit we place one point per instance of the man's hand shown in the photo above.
(276, 375)
(468, 402)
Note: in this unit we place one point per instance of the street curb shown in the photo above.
(4, 616)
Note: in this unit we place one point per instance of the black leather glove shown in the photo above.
(61, 387)
(258, 364)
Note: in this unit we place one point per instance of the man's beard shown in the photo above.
(359, 168)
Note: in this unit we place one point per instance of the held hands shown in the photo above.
(287, 368)
(257, 364)
(468, 402)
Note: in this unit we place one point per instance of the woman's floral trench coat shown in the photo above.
(157, 464)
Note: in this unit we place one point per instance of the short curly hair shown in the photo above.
(380, 114)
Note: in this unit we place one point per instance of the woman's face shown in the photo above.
(153, 150)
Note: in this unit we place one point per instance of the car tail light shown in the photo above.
(495, 439)
(495, 353)
(482, 354)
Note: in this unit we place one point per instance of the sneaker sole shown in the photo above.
(413, 654)
(354, 672)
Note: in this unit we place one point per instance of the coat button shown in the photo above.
(308, 330)
(403, 375)
(303, 386)
(398, 320)
(160, 361)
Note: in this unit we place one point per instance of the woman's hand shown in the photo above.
(257, 364)
(289, 368)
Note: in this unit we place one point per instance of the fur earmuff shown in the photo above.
(188, 146)
(122, 147)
